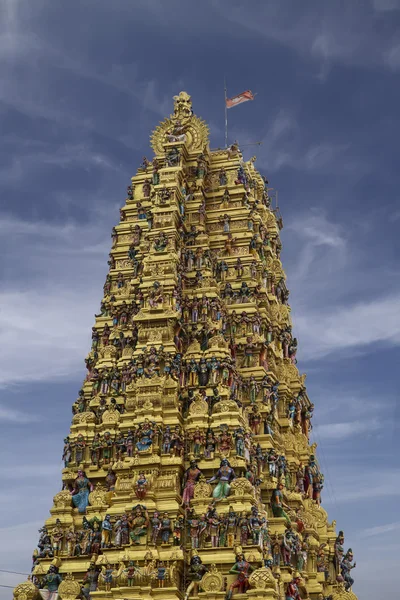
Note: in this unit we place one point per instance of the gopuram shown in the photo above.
(188, 470)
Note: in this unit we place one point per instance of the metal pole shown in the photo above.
(226, 118)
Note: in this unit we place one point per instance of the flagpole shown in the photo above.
(226, 117)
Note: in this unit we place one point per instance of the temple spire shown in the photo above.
(188, 467)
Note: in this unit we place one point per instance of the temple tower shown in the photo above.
(188, 467)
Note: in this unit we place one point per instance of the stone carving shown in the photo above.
(341, 594)
(111, 416)
(218, 341)
(62, 499)
(194, 129)
(225, 406)
(202, 489)
(194, 348)
(84, 417)
(262, 579)
(26, 591)
(69, 588)
(212, 581)
(241, 486)
(199, 406)
(98, 497)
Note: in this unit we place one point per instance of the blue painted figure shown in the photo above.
(146, 434)
(225, 475)
(81, 491)
(346, 567)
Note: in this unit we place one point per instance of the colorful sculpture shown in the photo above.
(346, 567)
(139, 522)
(50, 584)
(277, 503)
(225, 475)
(81, 491)
(292, 589)
(242, 570)
(195, 574)
(191, 476)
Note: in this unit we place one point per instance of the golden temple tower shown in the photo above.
(188, 468)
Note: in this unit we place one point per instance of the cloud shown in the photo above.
(354, 399)
(322, 33)
(392, 57)
(358, 486)
(336, 307)
(386, 5)
(15, 553)
(47, 311)
(26, 471)
(31, 60)
(347, 429)
(380, 529)
(320, 248)
(285, 145)
(24, 158)
(11, 415)
(352, 326)
(317, 230)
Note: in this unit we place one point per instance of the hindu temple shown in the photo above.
(188, 468)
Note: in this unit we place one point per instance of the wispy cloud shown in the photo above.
(358, 486)
(328, 36)
(285, 145)
(346, 327)
(28, 471)
(392, 57)
(336, 307)
(12, 415)
(347, 429)
(46, 316)
(380, 530)
(386, 5)
(24, 158)
(13, 553)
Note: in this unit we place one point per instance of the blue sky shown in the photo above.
(81, 87)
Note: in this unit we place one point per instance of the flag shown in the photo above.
(243, 97)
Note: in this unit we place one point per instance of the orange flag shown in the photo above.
(243, 97)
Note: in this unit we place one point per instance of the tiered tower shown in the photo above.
(188, 469)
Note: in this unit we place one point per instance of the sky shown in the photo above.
(82, 85)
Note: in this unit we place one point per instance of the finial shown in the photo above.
(182, 106)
